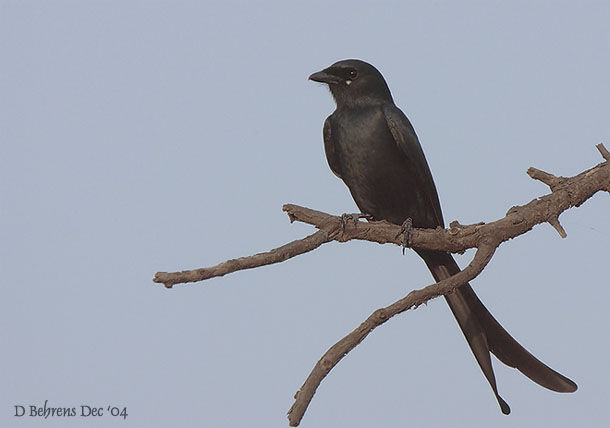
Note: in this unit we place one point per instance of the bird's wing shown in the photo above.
(330, 149)
(406, 139)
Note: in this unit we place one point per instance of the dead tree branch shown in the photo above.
(566, 192)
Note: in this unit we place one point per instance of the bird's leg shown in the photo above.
(353, 217)
(406, 230)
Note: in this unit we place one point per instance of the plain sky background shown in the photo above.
(139, 137)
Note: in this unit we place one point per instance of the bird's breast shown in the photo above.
(374, 168)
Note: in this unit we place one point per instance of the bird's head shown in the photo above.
(354, 82)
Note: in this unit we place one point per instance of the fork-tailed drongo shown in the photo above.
(371, 145)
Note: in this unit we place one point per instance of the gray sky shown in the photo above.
(156, 136)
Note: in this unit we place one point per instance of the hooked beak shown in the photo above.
(325, 77)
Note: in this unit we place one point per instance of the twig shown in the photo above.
(604, 152)
(548, 179)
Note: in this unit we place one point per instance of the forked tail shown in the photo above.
(485, 334)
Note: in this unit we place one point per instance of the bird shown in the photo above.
(371, 145)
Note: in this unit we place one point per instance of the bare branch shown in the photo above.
(412, 300)
(276, 255)
(565, 193)
(574, 192)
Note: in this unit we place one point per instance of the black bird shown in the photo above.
(371, 145)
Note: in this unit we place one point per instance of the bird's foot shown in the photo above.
(345, 218)
(406, 230)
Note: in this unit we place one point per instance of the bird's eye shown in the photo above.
(353, 74)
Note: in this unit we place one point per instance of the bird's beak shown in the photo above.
(325, 77)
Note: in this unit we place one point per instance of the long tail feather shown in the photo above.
(484, 334)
